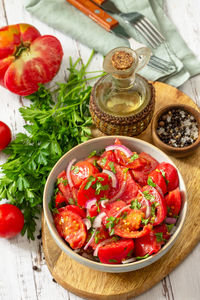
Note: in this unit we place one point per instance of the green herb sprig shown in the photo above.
(57, 120)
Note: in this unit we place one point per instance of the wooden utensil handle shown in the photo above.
(95, 13)
(99, 2)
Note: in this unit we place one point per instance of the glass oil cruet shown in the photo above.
(122, 94)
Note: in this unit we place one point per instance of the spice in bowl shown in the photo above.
(177, 128)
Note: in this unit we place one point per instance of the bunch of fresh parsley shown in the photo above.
(57, 121)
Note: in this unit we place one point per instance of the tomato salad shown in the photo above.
(118, 206)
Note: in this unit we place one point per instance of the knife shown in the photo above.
(103, 19)
(108, 6)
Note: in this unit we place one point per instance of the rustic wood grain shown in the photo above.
(93, 284)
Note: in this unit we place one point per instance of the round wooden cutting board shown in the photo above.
(88, 283)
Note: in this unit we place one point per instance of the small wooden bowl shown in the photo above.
(176, 152)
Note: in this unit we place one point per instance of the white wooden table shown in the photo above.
(18, 280)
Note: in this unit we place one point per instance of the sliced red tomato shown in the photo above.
(170, 174)
(93, 211)
(60, 200)
(115, 252)
(158, 206)
(125, 182)
(161, 233)
(100, 236)
(64, 187)
(71, 227)
(76, 209)
(130, 225)
(105, 158)
(141, 176)
(146, 245)
(82, 170)
(93, 160)
(96, 186)
(159, 181)
(173, 202)
(152, 161)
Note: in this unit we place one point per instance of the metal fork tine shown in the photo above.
(151, 32)
(154, 28)
(146, 34)
(149, 40)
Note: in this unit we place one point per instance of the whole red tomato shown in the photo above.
(11, 220)
(5, 135)
(27, 58)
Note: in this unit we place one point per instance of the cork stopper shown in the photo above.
(122, 60)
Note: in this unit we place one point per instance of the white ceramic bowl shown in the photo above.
(83, 150)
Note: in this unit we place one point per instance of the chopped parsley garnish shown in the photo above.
(62, 180)
(90, 180)
(148, 196)
(150, 182)
(76, 170)
(142, 257)
(145, 221)
(112, 260)
(72, 201)
(111, 222)
(111, 165)
(163, 174)
(112, 231)
(100, 187)
(153, 208)
(96, 238)
(91, 219)
(133, 157)
(124, 214)
(93, 153)
(169, 227)
(103, 161)
(135, 204)
(159, 237)
(95, 163)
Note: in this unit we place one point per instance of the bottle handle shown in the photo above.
(144, 55)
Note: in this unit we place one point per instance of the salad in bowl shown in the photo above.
(117, 206)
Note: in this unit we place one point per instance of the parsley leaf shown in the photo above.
(135, 204)
(103, 161)
(150, 182)
(148, 196)
(159, 237)
(133, 157)
(90, 180)
(145, 221)
(58, 119)
(142, 257)
(111, 165)
(93, 153)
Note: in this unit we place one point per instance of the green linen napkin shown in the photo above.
(62, 16)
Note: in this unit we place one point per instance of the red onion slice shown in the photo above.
(103, 203)
(87, 223)
(121, 210)
(169, 220)
(159, 190)
(130, 260)
(113, 177)
(68, 172)
(122, 189)
(105, 242)
(122, 148)
(148, 207)
(98, 220)
(90, 240)
(90, 203)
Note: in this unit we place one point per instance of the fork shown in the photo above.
(139, 21)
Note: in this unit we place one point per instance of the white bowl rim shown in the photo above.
(94, 264)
